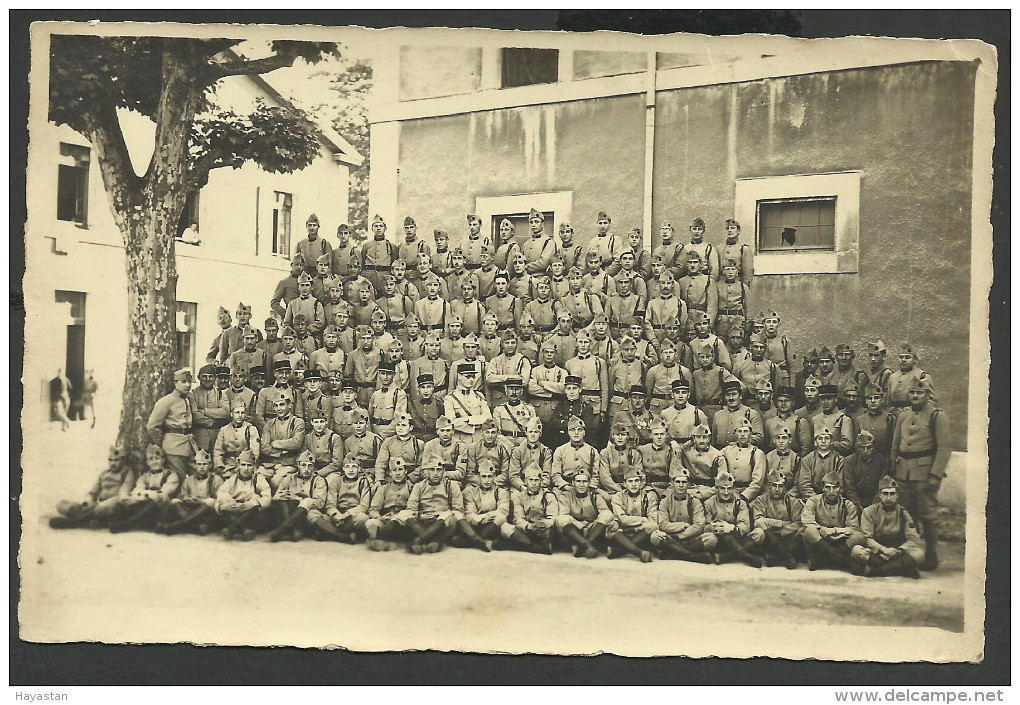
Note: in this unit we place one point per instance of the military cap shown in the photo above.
(667, 344)
(812, 382)
(575, 422)
(467, 368)
(812, 354)
(581, 473)
(364, 332)
(304, 278)
(680, 471)
(730, 262)
(359, 415)
(563, 315)
(297, 259)
(486, 465)
(535, 214)
(506, 221)
(730, 384)
(222, 371)
(457, 251)
(672, 322)
(743, 424)
(731, 221)
(830, 478)
(693, 255)
(300, 318)
(770, 313)
(631, 472)
(249, 332)
(514, 381)
(182, 375)
(782, 430)
(431, 462)
(678, 384)
(619, 427)
(314, 375)
(592, 255)
(440, 233)
(828, 390)
(637, 389)
(785, 391)
(876, 347)
(575, 271)
(657, 259)
(387, 366)
(533, 424)
(425, 378)
(471, 217)
(572, 379)
(532, 471)
(825, 353)
(396, 462)
(411, 318)
(202, 456)
(627, 340)
(378, 314)
(865, 436)
(408, 220)
(343, 228)
(347, 383)
(549, 344)
(724, 479)
(389, 279)
(582, 335)
(823, 431)
(666, 225)
(153, 449)
(776, 476)
(257, 371)
(508, 334)
(378, 219)
(758, 339)
(239, 404)
(444, 422)
(223, 311)
(907, 349)
(271, 323)
(287, 332)
(920, 383)
(306, 458)
(565, 227)
(763, 384)
(432, 338)
(602, 215)
(400, 418)
(207, 369)
(887, 483)
(351, 462)
(697, 223)
(873, 390)
(488, 424)
(701, 430)
(330, 330)
(656, 425)
(471, 339)
(246, 456)
(842, 348)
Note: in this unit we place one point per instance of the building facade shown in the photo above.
(869, 162)
(235, 240)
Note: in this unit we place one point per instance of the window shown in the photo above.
(556, 206)
(522, 230)
(526, 67)
(797, 224)
(188, 225)
(74, 360)
(803, 223)
(187, 316)
(281, 223)
(73, 184)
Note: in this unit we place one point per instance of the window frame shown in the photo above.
(559, 203)
(844, 186)
(282, 211)
(81, 156)
(503, 66)
(797, 247)
(192, 333)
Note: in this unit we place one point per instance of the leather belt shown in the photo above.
(515, 434)
(381, 422)
(731, 311)
(698, 307)
(544, 329)
(183, 430)
(472, 266)
(912, 454)
(376, 267)
(591, 392)
(664, 397)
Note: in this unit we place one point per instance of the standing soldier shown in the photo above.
(831, 526)
(546, 385)
(660, 378)
(424, 407)
(862, 470)
(313, 247)
(282, 440)
(223, 319)
(731, 297)
(624, 373)
(573, 255)
(635, 417)
(308, 305)
(681, 522)
(623, 305)
(594, 374)
(799, 427)
(584, 516)
(539, 248)
(362, 366)
(636, 511)
(727, 419)
(512, 417)
(387, 402)
(812, 400)
(503, 305)
(170, 425)
(344, 408)
(508, 248)
(672, 254)
(265, 403)
(272, 344)
(563, 337)
(627, 268)
(486, 274)
(312, 399)
(920, 453)
(344, 252)
(232, 339)
(777, 349)
(698, 291)
(666, 307)
(466, 407)
(469, 346)
(249, 355)
(900, 381)
(741, 253)
(378, 254)
(595, 279)
(706, 254)
(431, 310)
(571, 405)
(755, 368)
(323, 281)
(830, 416)
(727, 524)
(606, 245)
(209, 408)
(775, 516)
(781, 458)
(294, 498)
(602, 344)
(442, 263)
(891, 545)
(287, 288)
(530, 451)
(507, 364)
(582, 305)
(433, 509)
(432, 364)
(362, 445)
(542, 310)
(396, 307)
(412, 247)
(475, 242)
(878, 373)
(876, 419)
(329, 357)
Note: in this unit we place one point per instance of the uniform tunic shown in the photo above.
(498, 369)
(472, 249)
(799, 428)
(438, 368)
(282, 440)
(777, 349)
(819, 514)
(312, 310)
(377, 256)
(247, 360)
(613, 463)
(170, 424)
(210, 412)
(860, 477)
(787, 463)
(680, 421)
(594, 375)
(682, 517)
(407, 449)
(564, 409)
(619, 311)
(634, 513)
(325, 361)
(734, 511)
(452, 455)
(442, 500)
(346, 495)
(662, 309)
(748, 466)
(749, 371)
(543, 313)
(623, 375)
(286, 291)
(538, 251)
(490, 346)
(320, 290)
(742, 254)
(478, 383)
(478, 452)
(658, 463)
(364, 448)
(197, 491)
(310, 251)
(308, 493)
(893, 529)
(390, 499)
(842, 427)
(584, 510)
(512, 419)
(545, 388)
(467, 411)
(524, 455)
(451, 349)
(343, 419)
(506, 308)
(880, 426)
(900, 383)
(342, 257)
(703, 466)
(493, 503)
(385, 405)
(231, 440)
(308, 403)
(707, 388)
(608, 246)
(699, 294)
(327, 450)
(813, 468)
(424, 413)
(568, 459)
(638, 423)
(582, 305)
(779, 515)
(363, 370)
(566, 345)
(659, 385)
(725, 422)
(709, 257)
(234, 491)
(165, 483)
(529, 507)
(731, 299)
(673, 258)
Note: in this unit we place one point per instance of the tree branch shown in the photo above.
(103, 130)
(217, 71)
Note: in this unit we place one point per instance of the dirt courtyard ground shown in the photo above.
(87, 585)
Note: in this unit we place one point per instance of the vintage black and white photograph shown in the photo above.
(507, 342)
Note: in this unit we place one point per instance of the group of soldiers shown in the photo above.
(539, 395)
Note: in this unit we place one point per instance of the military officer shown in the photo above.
(425, 408)
(170, 425)
(681, 418)
(512, 416)
(466, 407)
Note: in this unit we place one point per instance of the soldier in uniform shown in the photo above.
(475, 242)
(706, 253)
(782, 457)
(731, 297)
(508, 248)
(681, 418)
(563, 337)
(345, 511)
(387, 402)
(112, 487)
(636, 511)
(442, 263)
(469, 356)
(287, 289)
(432, 310)
(387, 513)
(583, 516)
(504, 306)
(209, 408)
(490, 342)
(624, 373)
(235, 437)
(581, 305)
(512, 416)
(891, 544)
(195, 501)
(272, 343)
(358, 291)
(329, 357)
(232, 338)
(746, 462)
(627, 270)
(901, 380)
(308, 305)
(573, 456)
(424, 407)
(282, 439)
(812, 401)
(862, 471)
(754, 368)
(249, 355)
(662, 309)
(573, 255)
(810, 367)
(571, 405)
(409, 250)
(312, 399)
(595, 279)
(660, 378)
(740, 252)
(819, 463)
(605, 244)
(451, 346)
(681, 522)
(265, 408)
(312, 247)
(448, 451)
(777, 349)
(486, 509)
(362, 366)
(594, 374)
(535, 509)
(727, 525)
(876, 418)
(623, 305)
(409, 449)
(432, 364)
(831, 526)
(920, 453)
(530, 451)
(411, 337)
(296, 358)
(726, 420)
(152, 492)
(510, 363)
(343, 412)
(538, 249)
(545, 386)
(878, 373)
(542, 310)
(614, 459)
(433, 507)
(489, 447)
(326, 447)
(466, 407)
(703, 462)
(323, 281)
(602, 344)
(846, 375)
(636, 417)
(831, 417)
(240, 501)
(775, 516)
(170, 425)
(826, 364)
(378, 254)
(294, 498)
(672, 254)
(345, 251)
(362, 445)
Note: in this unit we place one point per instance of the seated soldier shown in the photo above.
(512, 417)
(490, 447)
(746, 462)
(401, 445)
(863, 470)
(703, 461)
(345, 511)
(681, 418)
(775, 516)
(447, 450)
(817, 464)
(680, 523)
(363, 445)
(297, 494)
(569, 406)
(891, 544)
(343, 413)
(486, 508)
(636, 510)
(658, 458)
(387, 512)
(573, 456)
(112, 487)
(424, 407)
(531, 450)
(535, 509)
(584, 516)
(636, 417)
(153, 489)
(614, 460)
(240, 501)
(195, 500)
(282, 439)
(831, 526)
(387, 402)
(727, 524)
(326, 447)
(433, 509)
(236, 436)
